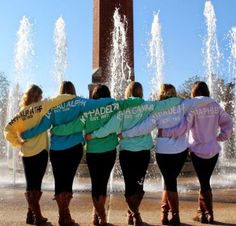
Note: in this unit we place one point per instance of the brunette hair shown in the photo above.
(167, 91)
(101, 91)
(32, 95)
(67, 87)
(134, 89)
(200, 88)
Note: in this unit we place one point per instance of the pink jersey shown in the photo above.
(208, 125)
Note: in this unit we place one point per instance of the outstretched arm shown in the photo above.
(143, 128)
(112, 126)
(163, 105)
(72, 127)
(43, 126)
(181, 129)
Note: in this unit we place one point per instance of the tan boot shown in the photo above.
(130, 219)
(99, 205)
(63, 201)
(95, 219)
(134, 202)
(200, 215)
(34, 215)
(173, 201)
(164, 209)
(208, 206)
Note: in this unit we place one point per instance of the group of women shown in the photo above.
(103, 120)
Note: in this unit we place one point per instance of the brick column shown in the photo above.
(103, 11)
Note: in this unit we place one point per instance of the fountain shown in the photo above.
(60, 42)
(211, 49)
(156, 55)
(120, 69)
(23, 57)
(120, 52)
(225, 172)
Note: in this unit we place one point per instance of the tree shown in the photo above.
(4, 90)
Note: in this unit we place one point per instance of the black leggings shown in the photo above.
(204, 169)
(170, 166)
(64, 166)
(134, 166)
(100, 166)
(34, 168)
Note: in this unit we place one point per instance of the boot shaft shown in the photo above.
(164, 209)
(173, 201)
(34, 210)
(63, 201)
(99, 205)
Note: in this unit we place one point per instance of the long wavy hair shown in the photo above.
(167, 91)
(32, 95)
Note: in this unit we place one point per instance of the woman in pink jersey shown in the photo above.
(209, 124)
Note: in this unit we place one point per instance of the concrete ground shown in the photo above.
(13, 207)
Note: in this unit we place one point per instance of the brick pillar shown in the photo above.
(103, 11)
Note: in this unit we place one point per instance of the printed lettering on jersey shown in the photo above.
(27, 113)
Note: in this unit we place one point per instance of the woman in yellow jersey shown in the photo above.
(34, 152)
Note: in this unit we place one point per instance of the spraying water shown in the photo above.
(156, 55)
(232, 58)
(232, 73)
(60, 42)
(120, 70)
(23, 57)
(211, 49)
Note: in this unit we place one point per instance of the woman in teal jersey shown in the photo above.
(134, 162)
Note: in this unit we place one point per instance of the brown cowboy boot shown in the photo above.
(99, 205)
(133, 204)
(200, 215)
(30, 215)
(164, 209)
(208, 206)
(95, 219)
(63, 201)
(33, 198)
(173, 201)
(130, 219)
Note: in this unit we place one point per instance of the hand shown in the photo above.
(22, 142)
(88, 137)
(159, 132)
(120, 136)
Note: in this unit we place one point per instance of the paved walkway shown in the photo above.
(13, 207)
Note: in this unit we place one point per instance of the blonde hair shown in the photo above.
(32, 95)
(134, 89)
(67, 87)
(167, 91)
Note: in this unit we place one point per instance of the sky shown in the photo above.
(183, 30)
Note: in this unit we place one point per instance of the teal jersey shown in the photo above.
(128, 118)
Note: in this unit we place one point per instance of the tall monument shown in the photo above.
(103, 24)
